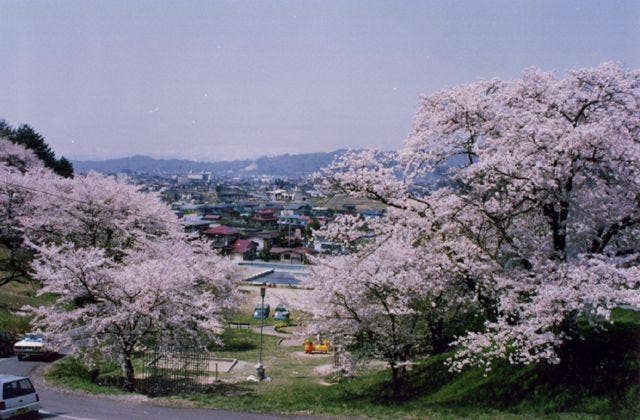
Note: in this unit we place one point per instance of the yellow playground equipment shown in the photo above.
(311, 348)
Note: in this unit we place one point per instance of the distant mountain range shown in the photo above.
(282, 165)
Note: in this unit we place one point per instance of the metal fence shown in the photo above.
(177, 371)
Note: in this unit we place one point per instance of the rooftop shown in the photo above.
(242, 245)
(298, 250)
(221, 230)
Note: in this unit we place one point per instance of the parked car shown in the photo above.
(281, 314)
(6, 344)
(18, 396)
(33, 344)
(261, 313)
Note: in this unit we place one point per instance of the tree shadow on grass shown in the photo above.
(599, 373)
(165, 387)
(237, 340)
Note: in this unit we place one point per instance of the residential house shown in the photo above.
(322, 246)
(320, 211)
(299, 208)
(371, 214)
(292, 225)
(349, 209)
(264, 240)
(281, 195)
(222, 237)
(194, 223)
(297, 255)
(231, 194)
(243, 249)
(265, 218)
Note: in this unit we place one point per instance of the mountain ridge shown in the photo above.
(290, 165)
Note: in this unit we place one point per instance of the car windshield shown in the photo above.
(34, 337)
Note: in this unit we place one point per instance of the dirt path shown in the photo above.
(289, 340)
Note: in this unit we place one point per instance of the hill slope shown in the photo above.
(283, 165)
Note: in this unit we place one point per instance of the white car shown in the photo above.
(33, 344)
(18, 396)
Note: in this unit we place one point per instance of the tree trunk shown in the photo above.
(558, 224)
(94, 373)
(397, 379)
(439, 343)
(127, 370)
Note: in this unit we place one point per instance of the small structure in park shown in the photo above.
(181, 370)
(310, 347)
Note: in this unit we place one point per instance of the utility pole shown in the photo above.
(260, 367)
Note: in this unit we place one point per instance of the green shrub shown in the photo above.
(280, 325)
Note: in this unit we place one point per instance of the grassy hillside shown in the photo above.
(13, 297)
(599, 376)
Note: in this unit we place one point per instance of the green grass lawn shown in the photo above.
(599, 376)
(244, 344)
(239, 344)
(247, 318)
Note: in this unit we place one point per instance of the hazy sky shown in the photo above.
(216, 80)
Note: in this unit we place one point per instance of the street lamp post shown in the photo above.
(260, 367)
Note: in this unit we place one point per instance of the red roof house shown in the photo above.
(244, 249)
(222, 237)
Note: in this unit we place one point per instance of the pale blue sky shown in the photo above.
(214, 80)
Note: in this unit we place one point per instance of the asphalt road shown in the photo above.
(76, 406)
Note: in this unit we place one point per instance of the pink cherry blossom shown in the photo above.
(533, 226)
(124, 273)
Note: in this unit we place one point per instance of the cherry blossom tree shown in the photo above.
(124, 272)
(18, 167)
(16, 158)
(377, 303)
(396, 296)
(170, 293)
(540, 211)
(550, 193)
